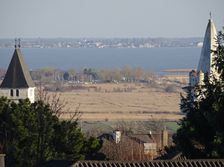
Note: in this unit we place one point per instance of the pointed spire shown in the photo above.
(209, 45)
(17, 75)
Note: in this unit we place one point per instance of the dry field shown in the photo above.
(122, 102)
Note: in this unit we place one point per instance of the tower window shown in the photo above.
(11, 92)
(17, 92)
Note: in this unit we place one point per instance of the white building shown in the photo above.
(205, 65)
(17, 83)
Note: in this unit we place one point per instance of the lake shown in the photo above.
(153, 59)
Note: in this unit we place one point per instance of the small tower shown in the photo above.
(17, 83)
(165, 137)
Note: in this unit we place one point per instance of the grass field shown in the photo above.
(113, 101)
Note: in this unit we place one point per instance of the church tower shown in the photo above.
(17, 83)
(207, 56)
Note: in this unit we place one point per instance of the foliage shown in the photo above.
(129, 74)
(66, 76)
(202, 130)
(91, 73)
(31, 134)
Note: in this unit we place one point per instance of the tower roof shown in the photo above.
(209, 44)
(17, 75)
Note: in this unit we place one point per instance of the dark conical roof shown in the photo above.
(17, 75)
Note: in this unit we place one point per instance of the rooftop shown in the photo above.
(17, 75)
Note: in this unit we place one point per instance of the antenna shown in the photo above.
(15, 43)
(19, 43)
(210, 14)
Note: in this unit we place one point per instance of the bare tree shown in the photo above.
(124, 126)
(56, 103)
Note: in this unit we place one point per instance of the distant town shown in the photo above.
(103, 42)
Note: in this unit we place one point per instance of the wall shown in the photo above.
(23, 94)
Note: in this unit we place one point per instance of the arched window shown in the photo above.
(11, 92)
(17, 92)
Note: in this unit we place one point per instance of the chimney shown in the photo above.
(2, 160)
(164, 137)
(117, 136)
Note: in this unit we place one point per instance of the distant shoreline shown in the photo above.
(103, 42)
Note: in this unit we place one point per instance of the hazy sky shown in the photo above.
(108, 18)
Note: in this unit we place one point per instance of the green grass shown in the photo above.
(102, 126)
(173, 126)
(109, 126)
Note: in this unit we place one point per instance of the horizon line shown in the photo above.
(7, 38)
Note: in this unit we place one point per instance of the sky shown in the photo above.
(108, 18)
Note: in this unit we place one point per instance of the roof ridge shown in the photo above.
(25, 69)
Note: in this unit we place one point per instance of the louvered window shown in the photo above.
(17, 92)
(11, 92)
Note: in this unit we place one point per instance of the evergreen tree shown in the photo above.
(201, 133)
(31, 134)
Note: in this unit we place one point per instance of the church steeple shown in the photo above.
(209, 45)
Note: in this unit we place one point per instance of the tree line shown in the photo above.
(126, 73)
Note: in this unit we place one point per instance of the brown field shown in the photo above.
(122, 102)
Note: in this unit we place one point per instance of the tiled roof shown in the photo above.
(156, 163)
(143, 138)
(17, 75)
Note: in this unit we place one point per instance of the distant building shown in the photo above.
(121, 146)
(205, 65)
(17, 83)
